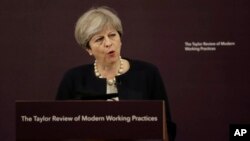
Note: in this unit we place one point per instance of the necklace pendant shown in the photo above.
(111, 81)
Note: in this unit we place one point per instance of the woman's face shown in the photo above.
(105, 46)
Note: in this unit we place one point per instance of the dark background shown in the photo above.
(207, 90)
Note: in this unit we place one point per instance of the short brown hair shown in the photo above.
(93, 21)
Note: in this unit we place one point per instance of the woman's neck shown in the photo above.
(109, 71)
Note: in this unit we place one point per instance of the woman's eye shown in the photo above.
(99, 39)
(112, 34)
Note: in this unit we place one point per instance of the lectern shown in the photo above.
(90, 120)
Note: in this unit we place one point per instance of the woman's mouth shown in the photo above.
(111, 53)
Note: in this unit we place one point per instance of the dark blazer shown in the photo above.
(141, 82)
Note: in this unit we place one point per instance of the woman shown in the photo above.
(99, 32)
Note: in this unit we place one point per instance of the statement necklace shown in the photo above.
(109, 81)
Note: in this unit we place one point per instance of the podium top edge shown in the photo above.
(77, 101)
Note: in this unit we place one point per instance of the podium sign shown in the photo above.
(69, 120)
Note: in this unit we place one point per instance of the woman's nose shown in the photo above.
(107, 42)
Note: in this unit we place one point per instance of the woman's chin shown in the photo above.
(113, 59)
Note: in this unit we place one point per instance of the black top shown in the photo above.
(141, 82)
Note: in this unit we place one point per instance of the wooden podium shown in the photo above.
(90, 120)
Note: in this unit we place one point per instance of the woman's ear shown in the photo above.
(89, 51)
